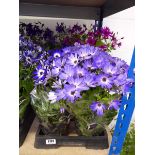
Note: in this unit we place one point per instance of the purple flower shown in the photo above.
(58, 63)
(98, 108)
(55, 71)
(28, 57)
(106, 32)
(99, 61)
(94, 50)
(88, 65)
(60, 94)
(40, 74)
(71, 93)
(67, 50)
(62, 110)
(125, 89)
(76, 28)
(73, 59)
(104, 81)
(60, 28)
(90, 80)
(57, 53)
(52, 96)
(120, 79)
(78, 83)
(114, 104)
(109, 69)
(68, 71)
(84, 53)
(81, 72)
(119, 63)
(48, 76)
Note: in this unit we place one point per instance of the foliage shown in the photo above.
(25, 87)
(50, 115)
(129, 144)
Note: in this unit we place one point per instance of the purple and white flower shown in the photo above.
(104, 81)
(98, 108)
(78, 83)
(57, 53)
(109, 69)
(60, 94)
(39, 74)
(71, 93)
(115, 104)
(98, 62)
(73, 59)
(120, 79)
(81, 72)
(68, 71)
(57, 66)
(90, 80)
(62, 110)
(84, 53)
(88, 64)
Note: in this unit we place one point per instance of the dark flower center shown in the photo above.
(72, 92)
(41, 73)
(104, 79)
(75, 61)
(80, 75)
(113, 64)
(56, 55)
(28, 59)
(99, 104)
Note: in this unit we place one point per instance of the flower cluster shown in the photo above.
(74, 61)
(77, 69)
(103, 38)
(38, 34)
(29, 53)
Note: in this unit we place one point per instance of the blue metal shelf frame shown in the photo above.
(124, 116)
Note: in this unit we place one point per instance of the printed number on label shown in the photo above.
(50, 141)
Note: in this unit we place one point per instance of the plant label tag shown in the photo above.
(50, 141)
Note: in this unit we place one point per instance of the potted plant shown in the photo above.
(29, 54)
(81, 81)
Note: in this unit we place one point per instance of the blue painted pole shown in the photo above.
(124, 115)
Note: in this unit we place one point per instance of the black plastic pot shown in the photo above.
(50, 141)
(26, 124)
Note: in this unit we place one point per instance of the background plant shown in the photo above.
(29, 56)
(103, 38)
(129, 144)
(64, 36)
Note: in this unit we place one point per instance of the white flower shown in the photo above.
(52, 96)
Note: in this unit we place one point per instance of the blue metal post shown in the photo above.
(124, 116)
